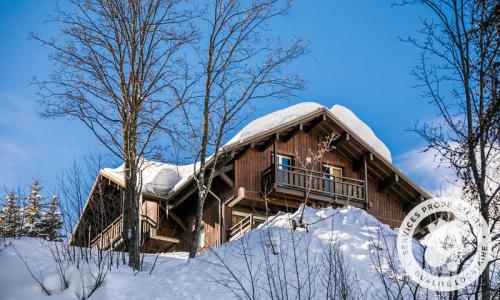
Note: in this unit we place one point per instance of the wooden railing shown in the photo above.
(148, 226)
(112, 235)
(149, 229)
(243, 226)
(314, 181)
(109, 236)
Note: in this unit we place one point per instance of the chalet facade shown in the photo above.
(260, 168)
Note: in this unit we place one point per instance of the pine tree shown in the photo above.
(32, 213)
(1, 218)
(11, 216)
(51, 223)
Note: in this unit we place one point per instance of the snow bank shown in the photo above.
(361, 241)
(350, 120)
(157, 178)
(173, 278)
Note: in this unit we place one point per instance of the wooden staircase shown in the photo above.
(110, 237)
(245, 225)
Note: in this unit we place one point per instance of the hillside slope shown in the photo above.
(270, 260)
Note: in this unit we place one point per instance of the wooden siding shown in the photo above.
(248, 168)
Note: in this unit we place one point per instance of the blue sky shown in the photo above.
(356, 60)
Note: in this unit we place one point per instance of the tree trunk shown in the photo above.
(130, 233)
(197, 226)
(485, 276)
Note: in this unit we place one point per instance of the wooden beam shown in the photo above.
(268, 142)
(342, 139)
(265, 144)
(165, 238)
(226, 179)
(388, 181)
(241, 195)
(412, 203)
(185, 196)
(174, 217)
(290, 134)
(314, 123)
(227, 168)
(359, 163)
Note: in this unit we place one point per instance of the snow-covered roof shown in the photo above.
(294, 112)
(273, 120)
(157, 178)
(364, 131)
(163, 179)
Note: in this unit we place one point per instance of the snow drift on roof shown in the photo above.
(274, 120)
(157, 178)
(349, 119)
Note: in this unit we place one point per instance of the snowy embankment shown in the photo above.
(271, 259)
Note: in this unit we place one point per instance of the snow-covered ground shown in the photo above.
(250, 267)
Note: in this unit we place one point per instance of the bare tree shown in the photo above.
(293, 266)
(74, 186)
(459, 71)
(393, 283)
(118, 72)
(240, 64)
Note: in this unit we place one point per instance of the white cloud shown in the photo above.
(438, 178)
(427, 170)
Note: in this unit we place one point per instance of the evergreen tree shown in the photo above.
(1, 218)
(11, 216)
(51, 223)
(32, 213)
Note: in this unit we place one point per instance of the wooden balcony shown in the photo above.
(149, 230)
(295, 181)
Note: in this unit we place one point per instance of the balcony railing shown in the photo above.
(315, 182)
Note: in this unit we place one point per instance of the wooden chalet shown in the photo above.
(259, 166)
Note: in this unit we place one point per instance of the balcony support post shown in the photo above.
(365, 165)
(219, 217)
(275, 162)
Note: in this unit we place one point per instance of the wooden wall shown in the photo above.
(248, 168)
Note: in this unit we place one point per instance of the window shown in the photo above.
(331, 172)
(283, 161)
